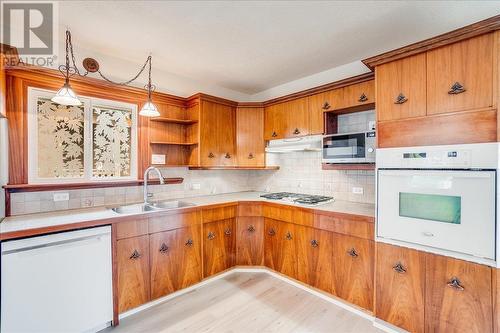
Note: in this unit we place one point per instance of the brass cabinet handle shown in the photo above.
(250, 156)
(455, 284)
(296, 131)
(326, 106)
(314, 243)
(288, 236)
(352, 252)
(227, 232)
(211, 235)
(399, 268)
(189, 242)
(135, 255)
(456, 88)
(211, 155)
(227, 155)
(271, 232)
(274, 134)
(401, 99)
(251, 228)
(163, 248)
(362, 98)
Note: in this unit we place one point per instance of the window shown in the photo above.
(94, 141)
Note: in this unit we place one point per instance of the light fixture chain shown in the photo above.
(132, 79)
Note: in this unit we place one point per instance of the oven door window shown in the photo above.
(431, 207)
(344, 146)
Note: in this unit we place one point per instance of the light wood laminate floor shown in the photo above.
(246, 302)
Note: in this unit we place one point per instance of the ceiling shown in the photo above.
(251, 46)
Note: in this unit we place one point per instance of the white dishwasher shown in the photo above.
(57, 283)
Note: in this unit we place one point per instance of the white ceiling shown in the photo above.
(247, 48)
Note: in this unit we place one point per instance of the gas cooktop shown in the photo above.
(303, 199)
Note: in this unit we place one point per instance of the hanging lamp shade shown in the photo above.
(66, 96)
(149, 110)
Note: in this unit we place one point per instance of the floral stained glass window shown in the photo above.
(60, 131)
(111, 132)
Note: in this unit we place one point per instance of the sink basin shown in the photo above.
(155, 206)
(171, 204)
(131, 209)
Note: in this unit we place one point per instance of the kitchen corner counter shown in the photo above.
(41, 223)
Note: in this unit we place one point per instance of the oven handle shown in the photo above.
(406, 173)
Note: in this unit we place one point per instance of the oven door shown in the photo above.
(345, 148)
(450, 210)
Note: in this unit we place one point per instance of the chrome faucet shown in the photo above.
(146, 173)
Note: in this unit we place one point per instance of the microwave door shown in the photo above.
(452, 210)
(344, 148)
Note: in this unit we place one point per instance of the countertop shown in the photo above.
(52, 220)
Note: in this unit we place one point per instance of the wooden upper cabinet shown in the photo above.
(296, 118)
(401, 88)
(274, 122)
(458, 296)
(357, 94)
(219, 246)
(460, 76)
(250, 143)
(400, 289)
(320, 103)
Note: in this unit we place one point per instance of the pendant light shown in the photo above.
(149, 109)
(66, 95)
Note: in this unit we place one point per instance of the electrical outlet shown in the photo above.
(158, 159)
(357, 190)
(195, 186)
(61, 196)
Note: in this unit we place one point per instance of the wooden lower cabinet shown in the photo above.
(400, 286)
(458, 296)
(175, 260)
(132, 260)
(250, 241)
(219, 246)
(314, 257)
(280, 247)
(353, 271)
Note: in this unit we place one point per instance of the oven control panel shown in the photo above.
(457, 159)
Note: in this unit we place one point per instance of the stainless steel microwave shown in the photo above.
(349, 148)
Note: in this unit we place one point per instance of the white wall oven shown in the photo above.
(442, 197)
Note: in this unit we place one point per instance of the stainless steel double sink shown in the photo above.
(151, 207)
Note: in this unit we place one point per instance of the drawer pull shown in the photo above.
(296, 132)
(211, 155)
(163, 248)
(211, 235)
(227, 232)
(288, 236)
(271, 232)
(189, 242)
(401, 99)
(399, 268)
(251, 228)
(250, 156)
(352, 252)
(227, 155)
(274, 134)
(455, 284)
(456, 89)
(326, 106)
(135, 255)
(362, 98)
(314, 243)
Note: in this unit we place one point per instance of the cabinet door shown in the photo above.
(274, 122)
(271, 243)
(314, 257)
(250, 143)
(287, 254)
(218, 246)
(250, 241)
(460, 76)
(165, 256)
(358, 94)
(401, 88)
(132, 256)
(296, 118)
(189, 266)
(457, 296)
(353, 270)
(400, 283)
(319, 104)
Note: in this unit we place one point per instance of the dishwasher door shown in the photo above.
(57, 283)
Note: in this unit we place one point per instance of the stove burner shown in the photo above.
(298, 198)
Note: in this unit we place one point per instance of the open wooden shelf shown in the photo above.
(233, 168)
(353, 166)
(173, 143)
(174, 121)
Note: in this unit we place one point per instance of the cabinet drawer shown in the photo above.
(219, 213)
(132, 228)
(277, 213)
(250, 209)
(174, 221)
(350, 227)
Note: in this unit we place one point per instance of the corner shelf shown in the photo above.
(174, 121)
(353, 166)
(173, 143)
(232, 168)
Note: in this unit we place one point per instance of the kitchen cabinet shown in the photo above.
(357, 94)
(217, 134)
(315, 257)
(274, 122)
(250, 241)
(403, 88)
(460, 76)
(320, 103)
(250, 142)
(353, 272)
(296, 118)
(457, 296)
(400, 287)
(219, 246)
(280, 247)
(175, 260)
(132, 260)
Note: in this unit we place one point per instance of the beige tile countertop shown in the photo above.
(20, 223)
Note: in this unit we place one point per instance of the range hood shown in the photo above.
(305, 143)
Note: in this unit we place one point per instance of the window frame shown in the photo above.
(88, 102)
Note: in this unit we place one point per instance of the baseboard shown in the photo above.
(380, 324)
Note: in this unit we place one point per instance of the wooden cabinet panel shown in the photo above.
(358, 94)
(319, 104)
(250, 241)
(314, 257)
(250, 143)
(277, 213)
(249, 209)
(218, 213)
(457, 296)
(219, 246)
(274, 122)
(401, 88)
(400, 286)
(296, 118)
(468, 63)
(174, 221)
(132, 260)
(351, 227)
(280, 248)
(353, 270)
(132, 228)
(189, 267)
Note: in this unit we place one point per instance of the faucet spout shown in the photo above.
(146, 175)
